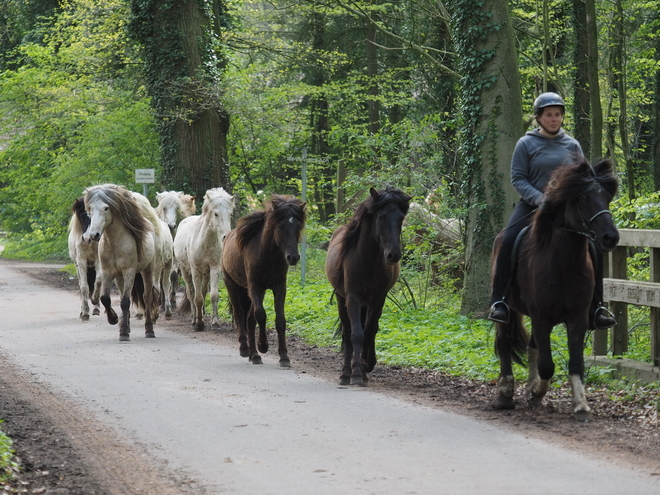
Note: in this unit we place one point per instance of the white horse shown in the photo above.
(164, 246)
(85, 257)
(198, 251)
(174, 206)
(126, 245)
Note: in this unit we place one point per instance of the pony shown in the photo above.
(85, 257)
(256, 257)
(198, 251)
(127, 252)
(554, 280)
(174, 206)
(362, 265)
(164, 253)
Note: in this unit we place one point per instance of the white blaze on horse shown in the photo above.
(127, 252)
(85, 257)
(198, 251)
(174, 206)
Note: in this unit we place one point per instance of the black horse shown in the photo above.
(555, 278)
(362, 265)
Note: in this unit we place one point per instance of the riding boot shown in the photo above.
(499, 312)
(602, 318)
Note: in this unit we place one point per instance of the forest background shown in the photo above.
(423, 95)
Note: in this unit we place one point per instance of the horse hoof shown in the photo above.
(244, 352)
(263, 348)
(503, 404)
(285, 363)
(215, 327)
(256, 360)
(124, 338)
(344, 380)
(583, 416)
(358, 381)
(168, 317)
(139, 316)
(199, 327)
(149, 335)
(534, 402)
(84, 317)
(113, 320)
(96, 312)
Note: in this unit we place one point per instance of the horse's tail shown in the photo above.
(184, 306)
(137, 295)
(91, 278)
(512, 338)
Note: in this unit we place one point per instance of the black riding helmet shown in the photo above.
(548, 100)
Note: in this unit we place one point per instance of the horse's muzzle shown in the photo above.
(292, 259)
(609, 240)
(392, 258)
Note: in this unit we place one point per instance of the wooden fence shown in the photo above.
(620, 292)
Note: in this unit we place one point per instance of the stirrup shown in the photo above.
(497, 316)
(608, 315)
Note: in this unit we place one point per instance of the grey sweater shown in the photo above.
(534, 159)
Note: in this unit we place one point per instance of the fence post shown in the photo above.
(655, 313)
(619, 332)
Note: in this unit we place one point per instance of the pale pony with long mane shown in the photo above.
(174, 206)
(85, 257)
(164, 246)
(198, 251)
(126, 246)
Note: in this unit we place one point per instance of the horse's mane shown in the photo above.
(188, 205)
(124, 205)
(79, 218)
(364, 213)
(566, 184)
(217, 197)
(277, 208)
(148, 211)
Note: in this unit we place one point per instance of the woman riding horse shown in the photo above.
(536, 156)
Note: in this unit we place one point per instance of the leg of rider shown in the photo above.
(599, 316)
(520, 218)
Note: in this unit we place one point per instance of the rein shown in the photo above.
(589, 234)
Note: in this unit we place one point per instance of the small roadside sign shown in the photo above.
(144, 176)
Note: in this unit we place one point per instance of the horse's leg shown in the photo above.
(256, 316)
(214, 280)
(165, 283)
(576, 333)
(150, 301)
(536, 389)
(347, 347)
(174, 285)
(368, 358)
(279, 296)
(81, 271)
(354, 309)
(125, 284)
(505, 382)
(239, 305)
(197, 284)
(94, 296)
(106, 283)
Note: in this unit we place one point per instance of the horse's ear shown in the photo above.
(373, 192)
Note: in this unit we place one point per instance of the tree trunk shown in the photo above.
(581, 102)
(491, 108)
(183, 75)
(596, 144)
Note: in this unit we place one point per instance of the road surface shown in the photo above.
(200, 415)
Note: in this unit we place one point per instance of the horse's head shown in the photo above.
(286, 216)
(218, 209)
(99, 211)
(169, 207)
(585, 192)
(389, 208)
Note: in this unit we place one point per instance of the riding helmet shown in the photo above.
(548, 100)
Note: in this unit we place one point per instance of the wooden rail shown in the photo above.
(620, 292)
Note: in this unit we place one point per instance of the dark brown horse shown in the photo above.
(256, 257)
(362, 265)
(554, 280)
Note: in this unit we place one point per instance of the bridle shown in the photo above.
(586, 224)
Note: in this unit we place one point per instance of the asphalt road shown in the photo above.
(202, 413)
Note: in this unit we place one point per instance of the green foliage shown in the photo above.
(8, 462)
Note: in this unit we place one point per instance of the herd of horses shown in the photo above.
(118, 236)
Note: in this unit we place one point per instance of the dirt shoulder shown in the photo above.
(63, 452)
